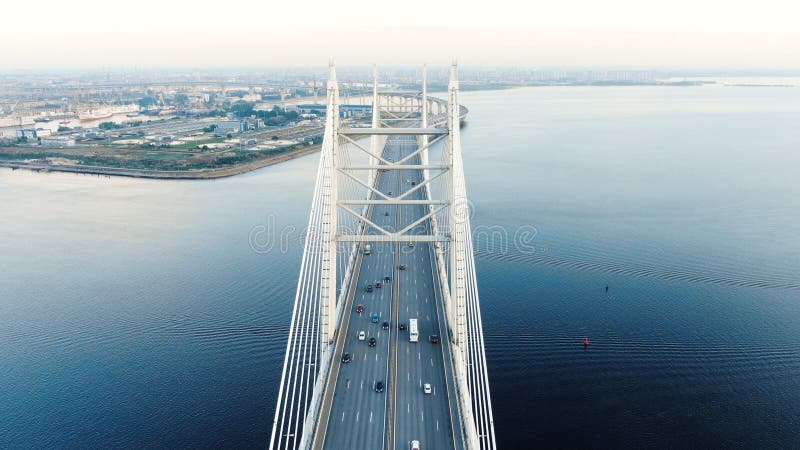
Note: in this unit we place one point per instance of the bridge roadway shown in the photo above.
(361, 418)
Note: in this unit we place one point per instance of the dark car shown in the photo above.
(386, 213)
(378, 285)
(387, 279)
(369, 287)
(347, 357)
(372, 342)
(385, 325)
(402, 267)
(360, 309)
(434, 339)
(379, 386)
(402, 326)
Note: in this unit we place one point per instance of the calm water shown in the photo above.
(136, 313)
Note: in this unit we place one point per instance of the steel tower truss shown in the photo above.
(344, 195)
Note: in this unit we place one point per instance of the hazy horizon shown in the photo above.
(680, 35)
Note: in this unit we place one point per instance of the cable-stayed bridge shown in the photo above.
(385, 346)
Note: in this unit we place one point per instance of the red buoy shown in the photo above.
(585, 342)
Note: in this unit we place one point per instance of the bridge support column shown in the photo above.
(376, 122)
(459, 210)
(328, 294)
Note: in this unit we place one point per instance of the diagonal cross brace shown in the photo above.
(421, 185)
(419, 150)
(357, 180)
(423, 218)
(365, 219)
(369, 152)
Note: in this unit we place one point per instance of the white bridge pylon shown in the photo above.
(339, 221)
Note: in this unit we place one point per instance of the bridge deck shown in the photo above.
(360, 417)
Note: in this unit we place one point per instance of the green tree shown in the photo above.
(147, 101)
(109, 126)
(242, 109)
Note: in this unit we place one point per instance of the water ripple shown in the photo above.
(642, 271)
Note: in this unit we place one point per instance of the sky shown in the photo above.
(675, 34)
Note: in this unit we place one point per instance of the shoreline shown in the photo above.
(204, 174)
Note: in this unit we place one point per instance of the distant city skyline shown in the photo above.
(621, 33)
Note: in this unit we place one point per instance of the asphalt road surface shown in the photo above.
(359, 416)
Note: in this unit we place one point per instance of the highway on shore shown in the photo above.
(359, 417)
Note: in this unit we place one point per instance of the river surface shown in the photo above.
(148, 313)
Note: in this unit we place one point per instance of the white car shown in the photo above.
(415, 445)
(362, 335)
(426, 388)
